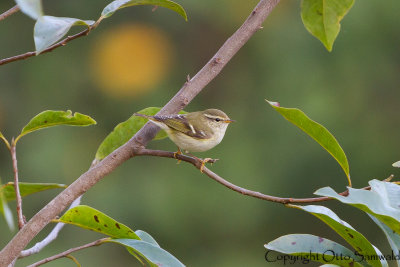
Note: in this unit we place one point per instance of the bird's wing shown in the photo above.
(180, 123)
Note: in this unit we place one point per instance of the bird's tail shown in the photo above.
(143, 115)
(152, 119)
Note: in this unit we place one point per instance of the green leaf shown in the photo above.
(32, 8)
(381, 201)
(318, 132)
(125, 130)
(51, 118)
(118, 4)
(89, 218)
(353, 237)
(322, 18)
(48, 30)
(392, 237)
(5, 210)
(27, 189)
(152, 253)
(314, 248)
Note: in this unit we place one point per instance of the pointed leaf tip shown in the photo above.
(322, 18)
(318, 132)
(272, 103)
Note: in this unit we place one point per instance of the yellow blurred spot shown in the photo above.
(130, 59)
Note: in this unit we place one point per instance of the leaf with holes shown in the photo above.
(315, 248)
(118, 4)
(48, 30)
(125, 130)
(322, 18)
(27, 189)
(92, 219)
(153, 254)
(32, 8)
(51, 118)
(318, 132)
(353, 237)
(382, 201)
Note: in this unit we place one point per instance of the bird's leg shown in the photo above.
(179, 152)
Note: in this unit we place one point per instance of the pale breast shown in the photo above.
(191, 144)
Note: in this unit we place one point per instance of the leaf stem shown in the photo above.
(9, 12)
(13, 151)
(5, 141)
(51, 48)
(69, 251)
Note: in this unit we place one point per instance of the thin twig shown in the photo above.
(51, 48)
(197, 163)
(69, 251)
(50, 237)
(21, 219)
(9, 12)
(113, 160)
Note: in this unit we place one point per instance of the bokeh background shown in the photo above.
(139, 58)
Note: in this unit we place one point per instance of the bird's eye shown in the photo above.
(217, 120)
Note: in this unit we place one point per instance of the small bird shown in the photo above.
(195, 131)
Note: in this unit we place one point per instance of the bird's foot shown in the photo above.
(204, 161)
(179, 152)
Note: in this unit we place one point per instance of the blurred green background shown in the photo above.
(139, 58)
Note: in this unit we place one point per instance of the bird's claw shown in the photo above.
(204, 161)
(179, 152)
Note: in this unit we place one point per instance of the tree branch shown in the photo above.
(69, 251)
(189, 90)
(197, 163)
(9, 12)
(13, 151)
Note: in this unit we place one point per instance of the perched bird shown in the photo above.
(195, 131)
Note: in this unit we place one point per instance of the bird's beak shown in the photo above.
(229, 121)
